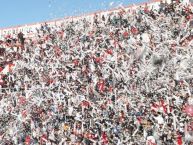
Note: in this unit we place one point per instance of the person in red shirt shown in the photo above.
(105, 140)
(27, 140)
(101, 85)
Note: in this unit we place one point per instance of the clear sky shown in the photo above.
(17, 12)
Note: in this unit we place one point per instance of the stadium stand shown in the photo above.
(122, 76)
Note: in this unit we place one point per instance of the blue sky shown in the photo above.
(17, 12)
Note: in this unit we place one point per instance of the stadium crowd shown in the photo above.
(123, 78)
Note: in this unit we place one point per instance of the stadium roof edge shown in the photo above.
(87, 14)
